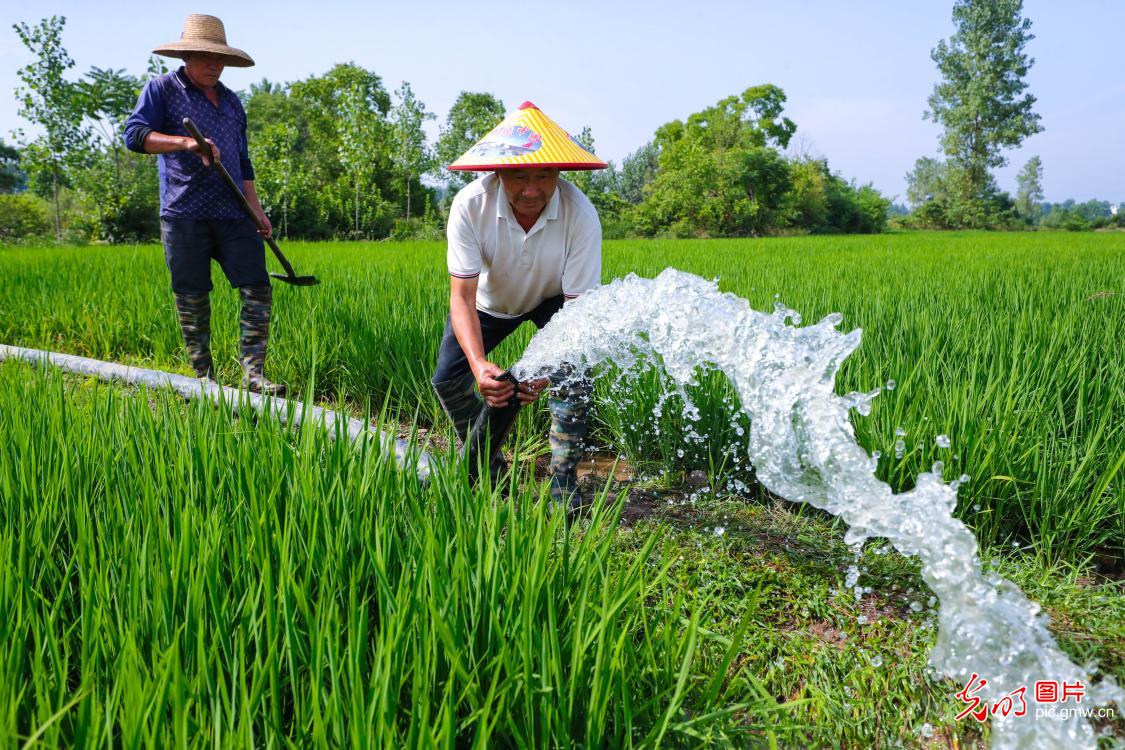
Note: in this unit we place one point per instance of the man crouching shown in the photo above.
(522, 242)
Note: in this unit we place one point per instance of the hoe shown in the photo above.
(290, 276)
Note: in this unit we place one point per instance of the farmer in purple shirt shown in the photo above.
(200, 217)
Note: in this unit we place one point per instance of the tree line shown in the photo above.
(339, 156)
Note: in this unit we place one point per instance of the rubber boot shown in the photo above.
(570, 404)
(458, 398)
(194, 311)
(255, 324)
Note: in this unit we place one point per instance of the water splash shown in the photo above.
(803, 448)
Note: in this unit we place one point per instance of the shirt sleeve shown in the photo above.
(244, 164)
(146, 117)
(582, 269)
(463, 255)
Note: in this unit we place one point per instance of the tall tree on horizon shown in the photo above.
(50, 101)
(982, 101)
(1029, 188)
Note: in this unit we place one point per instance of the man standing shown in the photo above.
(521, 243)
(200, 217)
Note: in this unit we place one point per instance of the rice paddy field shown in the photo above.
(175, 575)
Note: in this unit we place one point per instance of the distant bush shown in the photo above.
(23, 217)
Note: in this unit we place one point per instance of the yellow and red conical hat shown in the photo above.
(527, 138)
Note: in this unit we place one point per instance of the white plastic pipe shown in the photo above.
(406, 455)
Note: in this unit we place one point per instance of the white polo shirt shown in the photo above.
(562, 254)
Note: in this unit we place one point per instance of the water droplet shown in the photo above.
(876, 661)
(916, 606)
(891, 385)
(942, 441)
(719, 531)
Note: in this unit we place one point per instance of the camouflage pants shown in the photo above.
(569, 402)
(194, 311)
(254, 320)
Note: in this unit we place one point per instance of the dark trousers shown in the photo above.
(191, 244)
(452, 363)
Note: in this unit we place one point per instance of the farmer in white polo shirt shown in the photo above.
(522, 241)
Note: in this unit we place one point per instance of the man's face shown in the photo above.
(529, 190)
(203, 69)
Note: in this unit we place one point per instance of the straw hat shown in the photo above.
(205, 34)
(527, 138)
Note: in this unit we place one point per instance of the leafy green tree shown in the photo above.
(472, 116)
(720, 172)
(360, 136)
(116, 207)
(48, 100)
(348, 179)
(927, 181)
(638, 170)
(1029, 190)
(412, 155)
(12, 178)
(982, 101)
(22, 217)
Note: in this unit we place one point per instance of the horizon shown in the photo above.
(864, 117)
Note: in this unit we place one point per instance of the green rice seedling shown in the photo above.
(176, 575)
(1007, 344)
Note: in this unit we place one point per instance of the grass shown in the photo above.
(175, 575)
(1007, 344)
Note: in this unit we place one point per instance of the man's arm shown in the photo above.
(141, 133)
(466, 328)
(160, 143)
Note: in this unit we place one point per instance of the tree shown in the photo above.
(926, 182)
(333, 109)
(360, 136)
(1029, 190)
(720, 172)
(48, 100)
(12, 177)
(638, 170)
(105, 183)
(412, 155)
(472, 116)
(981, 101)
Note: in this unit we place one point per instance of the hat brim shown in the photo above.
(567, 167)
(231, 56)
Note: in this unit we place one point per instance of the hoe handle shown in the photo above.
(218, 167)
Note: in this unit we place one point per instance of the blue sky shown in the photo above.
(857, 73)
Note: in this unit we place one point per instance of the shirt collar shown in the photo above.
(181, 77)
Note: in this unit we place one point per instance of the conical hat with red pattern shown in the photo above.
(527, 138)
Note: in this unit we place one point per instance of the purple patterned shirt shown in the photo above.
(188, 189)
